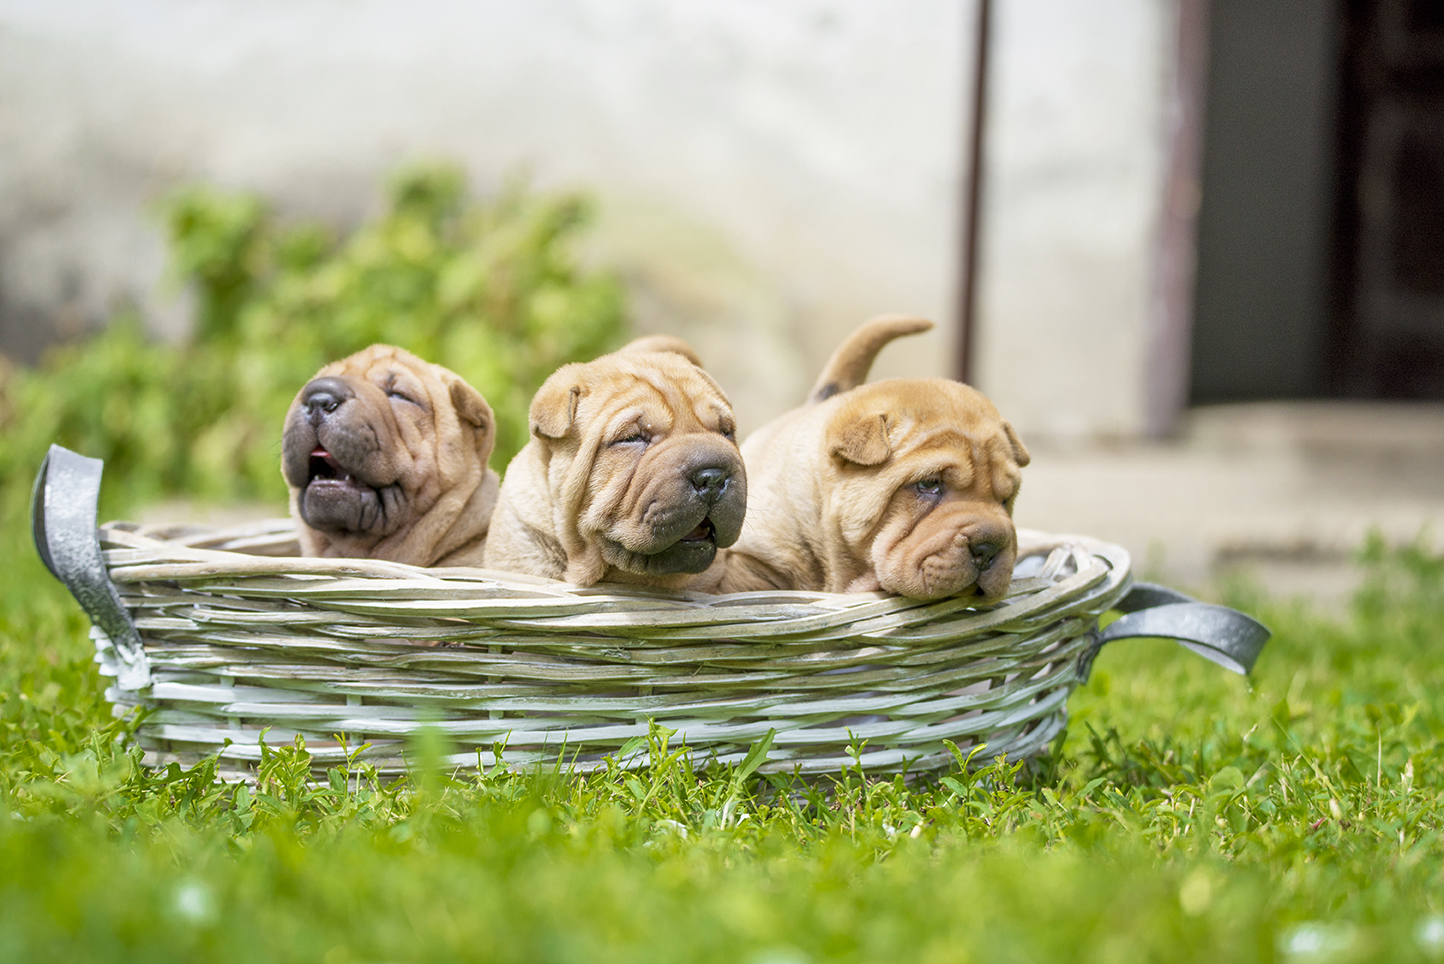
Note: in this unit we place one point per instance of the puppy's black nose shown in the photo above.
(709, 483)
(323, 396)
(984, 553)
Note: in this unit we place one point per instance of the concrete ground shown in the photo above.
(1284, 491)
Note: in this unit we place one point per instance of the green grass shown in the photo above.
(1188, 815)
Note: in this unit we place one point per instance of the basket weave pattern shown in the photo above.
(240, 638)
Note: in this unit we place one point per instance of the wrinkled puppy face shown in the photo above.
(643, 469)
(373, 440)
(927, 472)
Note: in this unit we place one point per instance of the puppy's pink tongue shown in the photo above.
(702, 531)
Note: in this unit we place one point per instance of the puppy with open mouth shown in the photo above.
(905, 485)
(632, 474)
(386, 457)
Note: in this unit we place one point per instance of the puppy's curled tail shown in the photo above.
(849, 365)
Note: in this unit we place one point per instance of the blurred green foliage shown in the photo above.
(490, 289)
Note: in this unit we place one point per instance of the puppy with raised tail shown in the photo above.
(386, 458)
(632, 474)
(905, 485)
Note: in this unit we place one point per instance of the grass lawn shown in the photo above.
(1188, 815)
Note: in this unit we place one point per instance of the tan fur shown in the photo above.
(604, 490)
(415, 439)
(835, 502)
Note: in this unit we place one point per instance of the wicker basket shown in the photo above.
(224, 634)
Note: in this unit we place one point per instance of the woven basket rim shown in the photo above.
(197, 555)
(896, 656)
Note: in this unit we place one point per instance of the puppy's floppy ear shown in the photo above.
(1020, 454)
(664, 343)
(470, 407)
(861, 440)
(554, 407)
(473, 410)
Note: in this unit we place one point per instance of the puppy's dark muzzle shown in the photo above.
(984, 552)
(322, 396)
(710, 484)
(328, 455)
(719, 492)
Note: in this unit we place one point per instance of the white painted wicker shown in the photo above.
(222, 636)
(237, 644)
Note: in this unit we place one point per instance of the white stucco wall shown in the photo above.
(1075, 162)
(770, 172)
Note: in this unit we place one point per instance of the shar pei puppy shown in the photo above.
(386, 458)
(905, 485)
(632, 474)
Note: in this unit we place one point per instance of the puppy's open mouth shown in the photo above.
(324, 467)
(703, 533)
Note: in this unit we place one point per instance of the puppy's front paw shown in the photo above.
(867, 582)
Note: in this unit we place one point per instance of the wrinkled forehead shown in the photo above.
(941, 417)
(663, 387)
(950, 431)
(962, 431)
(377, 365)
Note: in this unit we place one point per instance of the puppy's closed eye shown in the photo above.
(632, 438)
(398, 391)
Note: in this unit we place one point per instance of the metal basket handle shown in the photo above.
(62, 518)
(1225, 636)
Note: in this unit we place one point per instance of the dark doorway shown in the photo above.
(1263, 309)
(1388, 336)
(1321, 231)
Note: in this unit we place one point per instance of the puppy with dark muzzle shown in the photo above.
(904, 485)
(632, 474)
(386, 458)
